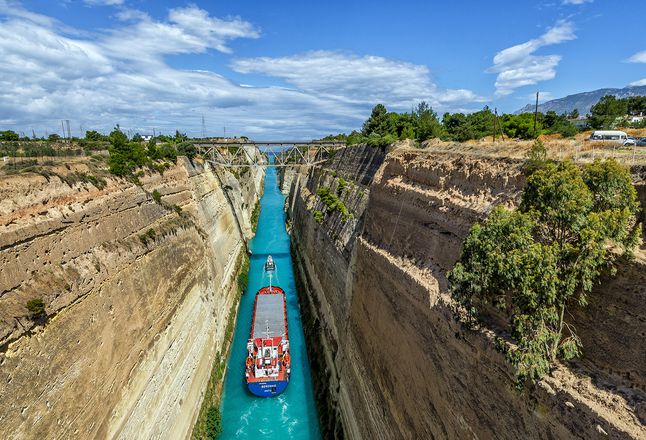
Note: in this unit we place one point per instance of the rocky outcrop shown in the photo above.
(394, 363)
(137, 283)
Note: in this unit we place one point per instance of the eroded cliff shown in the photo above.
(392, 361)
(137, 283)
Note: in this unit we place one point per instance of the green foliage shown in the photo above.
(520, 126)
(318, 216)
(341, 186)
(255, 216)
(157, 197)
(9, 135)
(149, 235)
(92, 135)
(213, 422)
(537, 158)
(534, 261)
(36, 307)
(333, 203)
(477, 125)
(187, 149)
(604, 114)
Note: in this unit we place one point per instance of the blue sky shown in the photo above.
(295, 69)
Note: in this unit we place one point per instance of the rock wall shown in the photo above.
(392, 361)
(137, 287)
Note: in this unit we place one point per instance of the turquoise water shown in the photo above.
(291, 415)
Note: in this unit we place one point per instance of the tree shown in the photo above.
(53, 137)
(428, 125)
(604, 114)
(125, 156)
(9, 135)
(187, 149)
(574, 114)
(180, 137)
(377, 121)
(92, 135)
(137, 138)
(536, 261)
(521, 126)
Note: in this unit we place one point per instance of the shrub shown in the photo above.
(213, 422)
(36, 307)
(157, 197)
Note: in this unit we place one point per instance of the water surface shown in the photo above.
(291, 415)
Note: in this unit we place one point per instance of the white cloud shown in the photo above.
(639, 57)
(356, 79)
(103, 2)
(517, 66)
(120, 75)
(576, 2)
(641, 82)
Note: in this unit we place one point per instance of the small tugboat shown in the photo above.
(268, 364)
(269, 264)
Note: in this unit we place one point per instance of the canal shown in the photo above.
(291, 415)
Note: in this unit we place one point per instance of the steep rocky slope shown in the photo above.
(137, 284)
(391, 360)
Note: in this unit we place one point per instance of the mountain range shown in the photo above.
(583, 101)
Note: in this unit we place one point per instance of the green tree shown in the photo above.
(137, 138)
(187, 149)
(535, 261)
(428, 126)
(92, 135)
(9, 135)
(604, 114)
(377, 122)
(53, 137)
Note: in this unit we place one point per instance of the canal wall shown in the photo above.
(137, 283)
(389, 359)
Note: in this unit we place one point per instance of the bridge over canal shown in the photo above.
(273, 153)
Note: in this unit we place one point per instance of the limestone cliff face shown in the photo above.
(136, 293)
(392, 360)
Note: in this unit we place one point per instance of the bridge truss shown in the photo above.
(272, 153)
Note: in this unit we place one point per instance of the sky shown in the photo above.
(288, 69)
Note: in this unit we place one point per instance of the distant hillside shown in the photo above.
(583, 101)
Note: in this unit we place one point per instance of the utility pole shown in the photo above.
(69, 132)
(225, 132)
(535, 114)
(33, 133)
(495, 116)
(203, 128)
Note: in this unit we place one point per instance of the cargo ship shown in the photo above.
(268, 361)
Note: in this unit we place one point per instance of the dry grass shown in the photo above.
(579, 148)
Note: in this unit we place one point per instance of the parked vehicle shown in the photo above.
(630, 142)
(641, 142)
(609, 135)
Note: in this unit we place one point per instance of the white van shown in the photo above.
(608, 135)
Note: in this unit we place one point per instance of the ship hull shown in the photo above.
(268, 360)
(268, 388)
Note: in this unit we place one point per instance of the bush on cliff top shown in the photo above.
(536, 261)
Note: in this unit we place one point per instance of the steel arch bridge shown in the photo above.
(272, 153)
